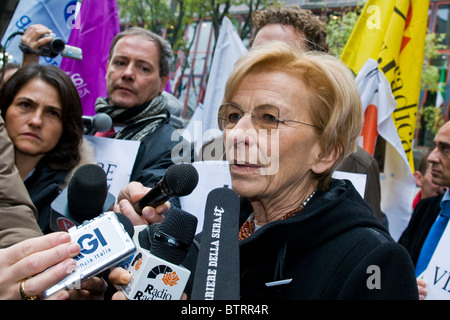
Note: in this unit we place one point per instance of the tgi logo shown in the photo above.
(89, 243)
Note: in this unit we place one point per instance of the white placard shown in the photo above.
(211, 175)
(358, 180)
(116, 157)
(437, 274)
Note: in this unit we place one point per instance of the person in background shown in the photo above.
(423, 180)
(431, 210)
(42, 113)
(25, 252)
(17, 212)
(8, 70)
(137, 73)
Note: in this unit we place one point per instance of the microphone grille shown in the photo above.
(181, 179)
(127, 224)
(145, 237)
(87, 191)
(102, 122)
(179, 225)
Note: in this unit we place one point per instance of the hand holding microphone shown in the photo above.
(144, 205)
(130, 194)
(156, 273)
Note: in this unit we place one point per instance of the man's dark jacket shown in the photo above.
(423, 217)
(155, 154)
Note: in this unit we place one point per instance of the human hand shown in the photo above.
(23, 264)
(421, 286)
(91, 289)
(131, 194)
(120, 276)
(32, 38)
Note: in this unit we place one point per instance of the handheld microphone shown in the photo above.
(84, 198)
(179, 180)
(217, 274)
(155, 269)
(105, 242)
(101, 122)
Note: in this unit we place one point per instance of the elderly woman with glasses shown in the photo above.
(288, 119)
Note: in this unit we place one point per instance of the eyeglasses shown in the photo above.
(264, 116)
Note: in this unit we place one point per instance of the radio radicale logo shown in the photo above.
(154, 292)
(170, 277)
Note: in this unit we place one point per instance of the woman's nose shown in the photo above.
(36, 118)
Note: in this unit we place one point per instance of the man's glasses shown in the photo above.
(265, 116)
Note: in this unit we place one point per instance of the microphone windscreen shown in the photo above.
(174, 236)
(87, 192)
(181, 179)
(102, 122)
(219, 250)
(126, 223)
(146, 236)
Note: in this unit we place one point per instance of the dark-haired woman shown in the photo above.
(42, 113)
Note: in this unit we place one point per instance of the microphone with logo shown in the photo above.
(101, 122)
(179, 180)
(84, 198)
(217, 274)
(156, 273)
(105, 242)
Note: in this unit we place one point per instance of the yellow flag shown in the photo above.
(393, 33)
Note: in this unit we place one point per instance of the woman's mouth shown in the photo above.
(244, 167)
(32, 135)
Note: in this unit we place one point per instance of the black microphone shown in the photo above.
(155, 268)
(172, 238)
(179, 180)
(101, 122)
(84, 198)
(217, 274)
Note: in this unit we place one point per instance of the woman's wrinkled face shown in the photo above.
(34, 118)
(264, 165)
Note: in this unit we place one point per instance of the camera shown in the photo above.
(104, 242)
(52, 48)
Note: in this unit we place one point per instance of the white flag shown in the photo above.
(229, 49)
(397, 180)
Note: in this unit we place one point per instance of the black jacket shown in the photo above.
(43, 186)
(423, 217)
(155, 154)
(334, 249)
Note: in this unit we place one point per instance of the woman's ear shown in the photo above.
(324, 163)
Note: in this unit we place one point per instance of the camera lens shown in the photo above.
(57, 45)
